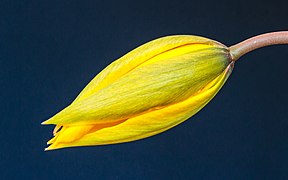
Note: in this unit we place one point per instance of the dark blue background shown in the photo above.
(49, 50)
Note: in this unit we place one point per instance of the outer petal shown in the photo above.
(139, 56)
(165, 79)
(150, 123)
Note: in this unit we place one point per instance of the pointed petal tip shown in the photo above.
(51, 141)
(48, 122)
(47, 149)
(45, 122)
(53, 147)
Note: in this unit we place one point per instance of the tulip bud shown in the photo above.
(147, 91)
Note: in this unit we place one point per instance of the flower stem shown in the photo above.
(256, 42)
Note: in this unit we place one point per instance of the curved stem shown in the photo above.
(256, 42)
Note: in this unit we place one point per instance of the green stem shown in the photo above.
(256, 42)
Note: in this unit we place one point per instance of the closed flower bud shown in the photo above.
(147, 91)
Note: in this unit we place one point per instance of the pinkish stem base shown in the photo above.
(256, 42)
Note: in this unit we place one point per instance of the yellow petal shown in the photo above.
(137, 57)
(149, 123)
(167, 78)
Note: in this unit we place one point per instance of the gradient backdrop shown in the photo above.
(49, 50)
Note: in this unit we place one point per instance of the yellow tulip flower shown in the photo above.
(147, 91)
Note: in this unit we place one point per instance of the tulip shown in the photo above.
(147, 91)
